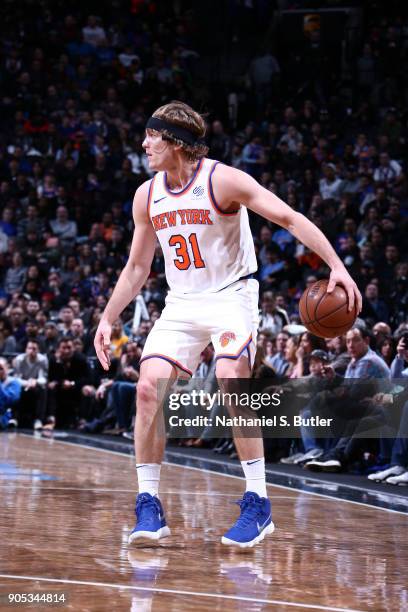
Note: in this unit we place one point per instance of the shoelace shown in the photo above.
(145, 503)
(249, 509)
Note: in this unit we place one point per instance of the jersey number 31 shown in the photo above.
(182, 251)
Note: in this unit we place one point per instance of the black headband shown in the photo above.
(154, 123)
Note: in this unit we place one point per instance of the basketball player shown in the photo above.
(197, 209)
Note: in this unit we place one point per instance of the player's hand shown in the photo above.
(340, 276)
(102, 343)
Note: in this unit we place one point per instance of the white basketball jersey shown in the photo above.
(205, 249)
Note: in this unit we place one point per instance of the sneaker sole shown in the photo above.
(268, 530)
(322, 468)
(397, 484)
(149, 536)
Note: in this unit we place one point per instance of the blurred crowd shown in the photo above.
(75, 92)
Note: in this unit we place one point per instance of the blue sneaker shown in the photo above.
(151, 524)
(254, 523)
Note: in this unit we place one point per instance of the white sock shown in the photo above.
(148, 477)
(254, 470)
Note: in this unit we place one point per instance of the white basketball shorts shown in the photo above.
(189, 322)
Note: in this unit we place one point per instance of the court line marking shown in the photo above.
(189, 467)
(307, 476)
(103, 490)
(180, 592)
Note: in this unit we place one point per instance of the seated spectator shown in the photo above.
(278, 361)
(312, 447)
(57, 292)
(32, 330)
(399, 365)
(15, 275)
(66, 317)
(309, 343)
(272, 270)
(364, 364)
(118, 339)
(10, 392)
(8, 342)
(339, 356)
(93, 34)
(330, 185)
(293, 358)
(397, 471)
(123, 390)
(64, 229)
(272, 318)
(389, 170)
(31, 368)
(374, 308)
(17, 318)
(68, 373)
(386, 349)
(51, 338)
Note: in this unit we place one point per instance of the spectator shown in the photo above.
(389, 171)
(51, 338)
(16, 275)
(330, 185)
(66, 317)
(374, 308)
(31, 368)
(7, 340)
(93, 34)
(118, 339)
(220, 146)
(364, 364)
(278, 361)
(68, 373)
(397, 471)
(10, 392)
(123, 390)
(272, 318)
(64, 229)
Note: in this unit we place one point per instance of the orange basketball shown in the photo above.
(326, 314)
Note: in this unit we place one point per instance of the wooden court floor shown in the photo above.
(66, 511)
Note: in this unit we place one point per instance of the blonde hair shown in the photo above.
(183, 115)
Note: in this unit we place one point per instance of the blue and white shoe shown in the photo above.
(254, 523)
(151, 524)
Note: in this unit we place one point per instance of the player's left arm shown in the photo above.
(233, 187)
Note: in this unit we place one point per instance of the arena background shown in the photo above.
(310, 98)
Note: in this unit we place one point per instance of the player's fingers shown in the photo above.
(331, 285)
(359, 301)
(101, 353)
(350, 293)
(107, 357)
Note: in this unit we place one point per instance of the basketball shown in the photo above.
(326, 314)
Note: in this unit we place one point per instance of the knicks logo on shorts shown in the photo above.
(227, 337)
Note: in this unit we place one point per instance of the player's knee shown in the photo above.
(146, 392)
(232, 368)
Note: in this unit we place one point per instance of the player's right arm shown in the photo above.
(133, 275)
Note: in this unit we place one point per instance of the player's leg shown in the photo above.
(255, 520)
(172, 349)
(248, 448)
(235, 346)
(156, 376)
